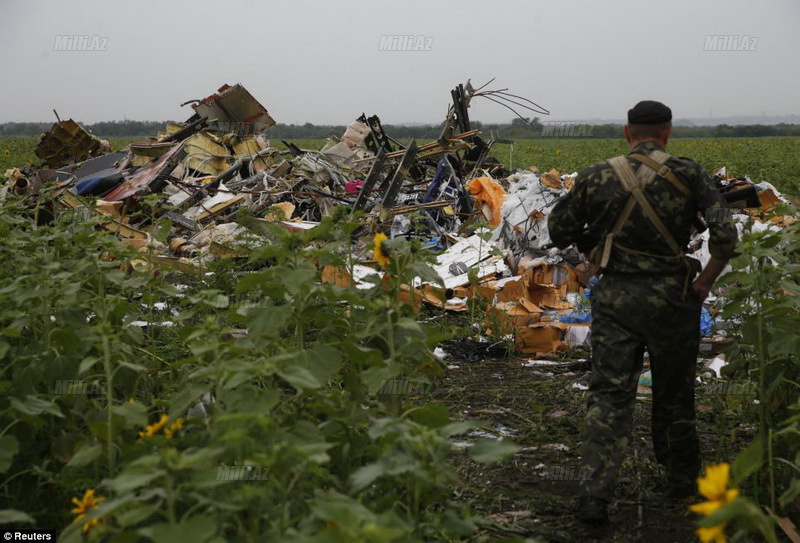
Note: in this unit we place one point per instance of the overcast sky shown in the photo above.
(321, 62)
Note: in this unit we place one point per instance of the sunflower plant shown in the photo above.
(763, 295)
(726, 506)
(83, 506)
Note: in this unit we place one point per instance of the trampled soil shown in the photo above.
(532, 495)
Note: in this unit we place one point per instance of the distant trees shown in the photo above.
(23, 129)
(518, 129)
(105, 129)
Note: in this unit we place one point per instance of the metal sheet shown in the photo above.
(235, 109)
(67, 143)
(141, 179)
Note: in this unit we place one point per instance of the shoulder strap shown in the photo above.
(657, 164)
(632, 184)
(608, 241)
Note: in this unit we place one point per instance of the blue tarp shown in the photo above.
(575, 317)
(706, 323)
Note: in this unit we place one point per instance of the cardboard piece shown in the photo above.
(530, 306)
(505, 318)
(552, 179)
(549, 296)
(559, 274)
(542, 338)
(437, 298)
(280, 211)
(512, 290)
(768, 200)
(341, 277)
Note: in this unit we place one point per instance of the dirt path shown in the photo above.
(532, 494)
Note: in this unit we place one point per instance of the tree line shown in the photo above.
(518, 129)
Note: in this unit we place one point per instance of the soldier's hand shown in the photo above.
(701, 288)
(702, 285)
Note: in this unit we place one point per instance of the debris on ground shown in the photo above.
(486, 225)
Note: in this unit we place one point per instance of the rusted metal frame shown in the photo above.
(435, 145)
(372, 178)
(393, 189)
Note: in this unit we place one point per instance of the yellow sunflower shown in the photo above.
(153, 429)
(172, 428)
(378, 253)
(714, 486)
(83, 506)
(715, 534)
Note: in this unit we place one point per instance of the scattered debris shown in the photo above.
(716, 364)
(67, 143)
(440, 354)
(197, 176)
(555, 447)
(470, 350)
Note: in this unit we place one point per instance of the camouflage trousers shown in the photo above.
(631, 313)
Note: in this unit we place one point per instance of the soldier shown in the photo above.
(634, 216)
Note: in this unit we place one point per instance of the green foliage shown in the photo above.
(764, 298)
(187, 433)
(775, 160)
(746, 518)
(297, 398)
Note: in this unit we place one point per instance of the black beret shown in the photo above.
(649, 112)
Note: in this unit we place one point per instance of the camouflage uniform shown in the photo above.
(642, 301)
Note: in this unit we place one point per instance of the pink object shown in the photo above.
(354, 186)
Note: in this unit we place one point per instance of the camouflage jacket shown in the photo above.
(591, 209)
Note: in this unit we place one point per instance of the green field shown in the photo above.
(250, 401)
(776, 160)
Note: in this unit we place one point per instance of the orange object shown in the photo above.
(490, 195)
(508, 317)
(768, 200)
(543, 337)
(552, 179)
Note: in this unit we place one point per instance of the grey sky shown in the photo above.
(320, 61)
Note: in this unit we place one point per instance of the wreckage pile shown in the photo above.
(198, 174)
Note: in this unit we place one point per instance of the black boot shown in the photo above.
(592, 510)
(682, 490)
